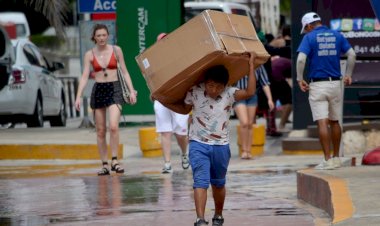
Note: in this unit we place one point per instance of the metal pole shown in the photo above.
(86, 122)
(343, 70)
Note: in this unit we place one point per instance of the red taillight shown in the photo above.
(17, 77)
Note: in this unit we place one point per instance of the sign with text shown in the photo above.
(138, 23)
(356, 21)
(97, 6)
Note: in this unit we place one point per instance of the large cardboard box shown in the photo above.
(175, 63)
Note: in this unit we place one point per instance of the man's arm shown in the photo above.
(351, 59)
(301, 61)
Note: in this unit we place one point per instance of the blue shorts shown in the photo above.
(252, 101)
(209, 164)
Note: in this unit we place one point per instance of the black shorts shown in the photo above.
(105, 94)
(280, 91)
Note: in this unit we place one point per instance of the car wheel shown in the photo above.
(37, 119)
(60, 119)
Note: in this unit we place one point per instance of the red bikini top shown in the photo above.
(112, 64)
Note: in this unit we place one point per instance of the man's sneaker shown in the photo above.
(167, 168)
(325, 165)
(200, 222)
(185, 162)
(336, 162)
(217, 220)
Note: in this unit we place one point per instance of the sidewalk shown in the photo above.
(350, 195)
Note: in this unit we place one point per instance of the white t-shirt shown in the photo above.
(210, 117)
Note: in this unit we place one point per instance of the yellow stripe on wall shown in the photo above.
(53, 151)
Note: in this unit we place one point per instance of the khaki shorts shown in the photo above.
(326, 99)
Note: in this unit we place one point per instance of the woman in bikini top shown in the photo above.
(106, 94)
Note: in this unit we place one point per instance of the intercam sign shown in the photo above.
(96, 6)
(142, 15)
(138, 23)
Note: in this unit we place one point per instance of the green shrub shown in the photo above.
(46, 41)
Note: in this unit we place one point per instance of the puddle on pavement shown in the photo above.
(68, 199)
(263, 171)
(24, 220)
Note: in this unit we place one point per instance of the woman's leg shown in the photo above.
(114, 118)
(101, 129)
(286, 110)
(251, 120)
(241, 111)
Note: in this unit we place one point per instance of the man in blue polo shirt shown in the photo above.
(323, 48)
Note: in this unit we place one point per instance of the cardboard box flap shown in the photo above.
(230, 24)
(233, 44)
(236, 33)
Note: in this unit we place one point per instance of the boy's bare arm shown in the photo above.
(251, 88)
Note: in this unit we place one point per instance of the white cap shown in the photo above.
(309, 18)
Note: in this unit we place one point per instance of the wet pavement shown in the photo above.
(260, 192)
(69, 193)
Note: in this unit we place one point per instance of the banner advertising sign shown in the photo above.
(356, 21)
(138, 24)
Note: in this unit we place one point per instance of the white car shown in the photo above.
(20, 22)
(32, 93)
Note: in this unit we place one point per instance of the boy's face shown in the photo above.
(214, 89)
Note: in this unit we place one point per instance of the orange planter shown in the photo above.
(150, 144)
(258, 139)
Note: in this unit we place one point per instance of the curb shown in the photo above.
(52, 151)
(326, 192)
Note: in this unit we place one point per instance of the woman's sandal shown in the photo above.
(104, 171)
(117, 168)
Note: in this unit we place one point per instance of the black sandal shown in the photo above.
(104, 171)
(117, 168)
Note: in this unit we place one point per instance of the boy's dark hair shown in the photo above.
(218, 74)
